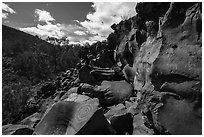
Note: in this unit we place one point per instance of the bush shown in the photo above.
(14, 99)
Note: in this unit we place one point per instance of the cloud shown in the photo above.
(43, 16)
(95, 28)
(75, 43)
(105, 15)
(80, 32)
(97, 38)
(4, 15)
(52, 30)
(77, 21)
(48, 29)
(6, 10)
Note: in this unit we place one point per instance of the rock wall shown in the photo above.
(167, 64)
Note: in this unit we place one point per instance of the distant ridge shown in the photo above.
(12, 37)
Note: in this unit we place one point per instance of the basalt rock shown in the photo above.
(105, 59)
(97, 125)
(69, 92)
(139, 126)
(122, 124)
(116, 110)
(129, 46)
(95, 75)
(16, 130)
(129, 73)
(32, 120)
(109, 92)
(84, 74)
(151, 10)
(168, 71)
(181, 117)
(75, 115)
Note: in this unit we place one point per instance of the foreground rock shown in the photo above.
(76, 115)
(32, 120)
(16, 130)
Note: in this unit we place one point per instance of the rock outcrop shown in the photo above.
(168, 72)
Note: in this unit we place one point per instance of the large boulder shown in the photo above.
(109, 92)
(95, 75)
(77, 114)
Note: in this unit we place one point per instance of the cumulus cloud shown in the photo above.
(49, 29)
(80, 32)
(4, 15)
(6, 10)
(43, 15)
(95, 28)
(97, 38)
(75, 43)
(74, 32)
(105, 15)
(52, 30)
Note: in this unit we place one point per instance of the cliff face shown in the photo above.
(166, 45)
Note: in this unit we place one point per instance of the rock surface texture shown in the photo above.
(168, 72)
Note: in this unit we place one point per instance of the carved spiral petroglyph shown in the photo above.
(84, 112)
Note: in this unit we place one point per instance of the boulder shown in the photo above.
(117, 91)
(109, 92)
(75, 115)
(97, 125)
(129, 73)
(32, 120)
(139, 126)
(84, 74)
(66, 117)
(69, 92)
(16, 130)
(181, 117)
(122, 124)
(95, 75)
(117, 110)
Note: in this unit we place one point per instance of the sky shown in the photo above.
(80, 22)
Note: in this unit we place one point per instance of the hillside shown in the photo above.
(27, 61)
(14, 41)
